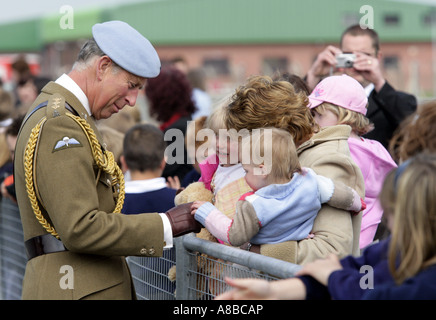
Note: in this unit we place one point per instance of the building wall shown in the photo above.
(407, 66)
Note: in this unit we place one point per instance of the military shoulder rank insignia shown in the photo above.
(65, 143)
(55, 106)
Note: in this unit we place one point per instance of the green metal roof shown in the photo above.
(20, 36)
(229, 21)
(265, 21)
(201, 22)
(54, 29)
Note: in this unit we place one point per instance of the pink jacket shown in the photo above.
(375, 163)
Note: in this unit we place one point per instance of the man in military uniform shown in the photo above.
(69, 188)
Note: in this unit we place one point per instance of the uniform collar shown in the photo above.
(69, 84)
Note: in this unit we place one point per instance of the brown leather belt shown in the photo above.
(44, 244)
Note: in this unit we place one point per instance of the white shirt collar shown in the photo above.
(368, 89)
(69, 84)
(6, 122)
(140, 186)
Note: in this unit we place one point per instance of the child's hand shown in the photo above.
(195, 205)
(321, 269)
(357, 205)
(173, 182)
(247, 289)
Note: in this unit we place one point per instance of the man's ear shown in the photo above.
(103, 65)
(124, 166)
(379, 55)
(163, 163)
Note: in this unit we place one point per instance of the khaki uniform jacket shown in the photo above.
(336, 231)
(79, 204)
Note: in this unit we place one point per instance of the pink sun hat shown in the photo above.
(343, 91)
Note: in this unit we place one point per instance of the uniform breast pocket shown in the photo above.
(107, 193)
(105, 179)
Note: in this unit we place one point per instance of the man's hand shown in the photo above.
(322, 65)
(370, 69)
(182, 221)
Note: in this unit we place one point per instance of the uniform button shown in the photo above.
(143, 251)
(151, 251)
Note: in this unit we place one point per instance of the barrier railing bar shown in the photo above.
(274, 267)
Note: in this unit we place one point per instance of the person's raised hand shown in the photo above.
(321, 269)
(246, 289)
(322, 65)
(370, 69)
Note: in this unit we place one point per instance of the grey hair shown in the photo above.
(89, 51)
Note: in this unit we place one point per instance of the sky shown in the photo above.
(15, 10)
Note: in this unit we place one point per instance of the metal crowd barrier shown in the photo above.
(150, 276)
(201, 266)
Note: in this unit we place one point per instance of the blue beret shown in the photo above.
(128, 48)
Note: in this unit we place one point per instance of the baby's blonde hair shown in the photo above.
(275, 149)
(217, 120)
(357, 121)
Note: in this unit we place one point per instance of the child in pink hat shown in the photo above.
(342, 100)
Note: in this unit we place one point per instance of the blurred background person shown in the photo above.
(170, 101)
(6, 110)
(387, 107)
(193, 149)
(201, 98)
(28, 88)
(197, 79)
(7, 184)
(20, 72)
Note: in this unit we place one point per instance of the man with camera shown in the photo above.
(359, 56)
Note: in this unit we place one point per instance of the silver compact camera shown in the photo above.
(345, 60)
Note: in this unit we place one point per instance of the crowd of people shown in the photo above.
(351, 180)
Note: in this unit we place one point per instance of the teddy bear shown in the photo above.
(195, 191)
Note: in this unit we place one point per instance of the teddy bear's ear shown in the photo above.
(179, 199)
(194, 191)
(172, 274)
(182, 196)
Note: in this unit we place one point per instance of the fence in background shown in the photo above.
(12, 253)
(198, 266)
